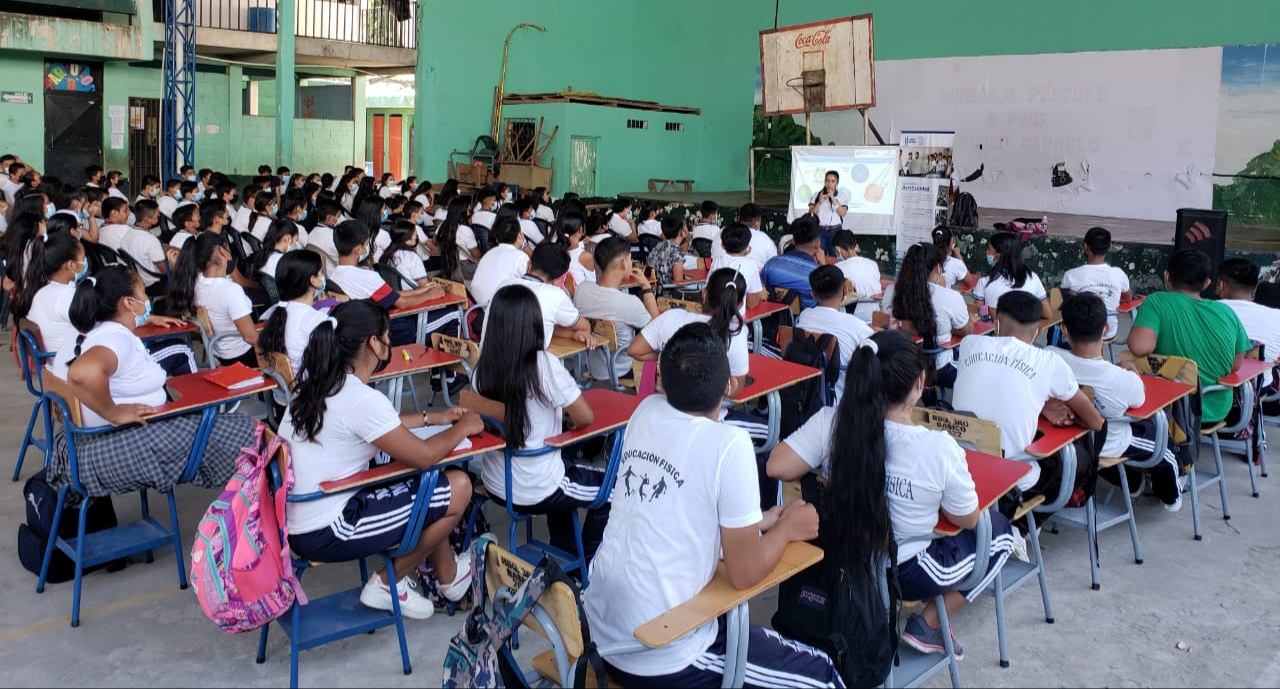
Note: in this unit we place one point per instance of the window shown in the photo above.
(675, 126)
(637, 124)
(326, 98)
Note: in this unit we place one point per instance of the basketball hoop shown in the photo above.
(818, 67)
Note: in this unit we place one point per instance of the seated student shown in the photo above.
(686, 495)
(597, 228)
(293, 207)
(119, 383)
(320, 239)
(954, 271)
(570, 232)
(505, 261)
(201, 280)
(1008, 273)
(864, 273)
(1178, 322)
(169, 197)
(1096, 277)
(667, 258)
(516, 370)
(486, 210)
(456, 243)
(146, 249)
(1237, 283)
(52, 271)
(1268, 294)
(762, 247)
(736, 247)
(542, 204)
(335, 425)
(300, 281)
(829, 317)
(887, 480)
(620, 221)
(373, 211)
(357, 282)
(186, 221)
(281, 238)
(402, 253)
(149, 189)
(1006, 379)
(115, 213)
(651, 220)
(790, 271)
(937, 314)
(265, 207)
(532, 233)
(1115, 390)
(188, 193)
(606, 300)
(560, 318)
(709, 228)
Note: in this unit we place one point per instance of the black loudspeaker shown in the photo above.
(1205, 230)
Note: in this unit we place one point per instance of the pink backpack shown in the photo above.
(241, 568)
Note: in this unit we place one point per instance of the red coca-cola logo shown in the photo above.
(817, 38)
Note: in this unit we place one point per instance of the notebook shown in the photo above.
(235, 377)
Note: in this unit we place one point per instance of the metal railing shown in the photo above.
(389, 23)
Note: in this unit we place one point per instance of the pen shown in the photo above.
(405, 352)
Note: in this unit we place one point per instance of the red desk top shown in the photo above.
(420, 359)
(192, 392)
(1053, 438)
(151, 332)
(963, 288)
(765, 309)
(992, 477)
(1161, 392)
(772, 374)
(612, 411)
(1249, 369)
(1127, 306)
(438, 302)
(479, 443)
(979, 328)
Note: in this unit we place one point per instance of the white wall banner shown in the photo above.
(868, 179)
(923, 187)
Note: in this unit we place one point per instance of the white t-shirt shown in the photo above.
(953, 270)
(627, 313)
(990, 290)
(116, 193)
(381, 240)
(545, 213)
(828, 212)
(1115, 390)
(762, 248)
(225, 301)
(112, 235)
(50, 310)
(269, 268)
(619, 225)
(536, 477)
(409, 264)
(580, 273)
(653, 227)
(180, 238)
(746, 267)
(925, 471)
(465, 238)
(848, 329)
(359, 283)
(1006, 380)
(1261, 323)
(681, 479)
(864, 273)
(557, 307)
(300, 320)
(531, 232)
(949, 312)
(707, 231)
(138, 379)
(260, 228)
(484, 219)
(354, 417)
(664, 327)
(145, 248)
(503, 263)
(321, 240)
(1108, 282)
(240, 220)
(167, 205)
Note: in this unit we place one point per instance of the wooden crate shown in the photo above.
(526, 175)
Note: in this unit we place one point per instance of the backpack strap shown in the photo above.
(275, 446)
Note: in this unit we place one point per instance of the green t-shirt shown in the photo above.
(1207, 332)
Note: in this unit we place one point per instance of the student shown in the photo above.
(790, 271)
(485, 211)
(1096, 277)
(421, 193)
(667, 259)
(402, 254)
(954, 271)
(937, 314)
(1008, 273)
(281, 238)
(357, 282)
(620, 221)
(168, 199)
(736, 255)
(55, 267)
(119, 383)
(145, 248)
(187, 221)
(265, 207)
(532, 233)
(607, 300)
(887, 480)
(348, 187)
(507, 260)
(569, 231)
(115, 180)
(762, 247)
(829, 317)
(1008, 380)
(1116, 389)
(597, 228)
(560, 318)
(687, 494)
(188, 193)
(542, 203)
(829, 206)
(300, 282)
(864, 273)
(201, 280)
(320, 239)
(516, 370)
(112, 233)
(374, 213)
(456, 243)
(293, 207)
(503, 192)
(1237, 282)
(709, 228)
(335, 425)
(652, 222)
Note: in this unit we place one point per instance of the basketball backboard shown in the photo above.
(830, 64)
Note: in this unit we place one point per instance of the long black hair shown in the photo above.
(911, 295)
(726, 292)
(1009, 266)
(856, 515)
(565, 226)
(47, 258)
(402, 232)
(507, 371)
(261, 202)
(369, 212)
(194, 258)
(279, 229)
(97, 299)
(447, 235)
(293, 281)
(328, 359)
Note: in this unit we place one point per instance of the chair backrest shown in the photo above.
(1055, 299)
(464, 349)
(786, 334)
(31, 356)
(605, 329)
(666, 303)
(880, 319)
(63, 389)
(453, 287)
(789, 297)
(278, 362)
(1176, 368)
(981, 435)
(203, 320)
(504, 570)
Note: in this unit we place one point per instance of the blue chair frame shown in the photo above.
(29, 353)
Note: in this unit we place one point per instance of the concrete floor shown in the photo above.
(1218, 596)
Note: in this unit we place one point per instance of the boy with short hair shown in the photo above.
(506, 261)
(525, 208)
(667, 258)
(829, 317)
(709, 228)
(605, 299)
(320, 239)
(168, 200)
(560, 318)
(486, 210)
(352, 242)
(1237, 282)
(1096, 277)
(762, 247)
(864, 273)
(686, 493)
(737, 250)
(115, 213)
(790, 271)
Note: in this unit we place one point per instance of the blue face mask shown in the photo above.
(353, 187)
(364, 252)
(83, 214)
(422, 219)
(284, 178)
(191, 178)
(199, 196)
(49, 210)
(385, 214)
(141, 319)
(80, 274)
(303, 216)
(991, 260)
(323, 284)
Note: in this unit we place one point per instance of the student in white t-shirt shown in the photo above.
(201, 280)
(537, 392)
(335, 425)
(954, 271)
(570, 231)
(55, 266)
(320, 239)
(168, 199)
(281, 238)
(300, 282)
(560, 318)
(402, 254)
(709, 228)
(735, 241)
(265, 207)
(830, 318)
(864, 273)
(542, 204)
(762, 247)
(621, 222)
(686, 494)
(606, 300)
(456, 243)
(888, 478)
(532, 233)
(1237, 281)
(1008, 273)
(1116, 389)
(115, 213)
(486, 209)
(937, 314)
(505, 261)
(293, 207)
(1096, 277)
(1006, 379)
(651, 222)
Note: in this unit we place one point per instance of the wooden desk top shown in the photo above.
(562, 347)
(765, 309)
(479, 443)
(420, 359)
(979, 328)
(691, 277)
(992, 478)
(1053, 438)
(437, 303)
(151, 332)
(193, 391)
(772, 374)
(1161, 392)
(1054, 319)
(612, 411)
(1249, 369)
(1128, 306)
(719, 597)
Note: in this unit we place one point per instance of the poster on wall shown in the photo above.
(867, 183)
(924, 185)
(69, 76)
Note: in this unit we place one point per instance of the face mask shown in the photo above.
(80, 274)
(199, 196)
(284, 178)
(319, 294)
(177, 195)
(385, 214)
(364, 253)
(154, 193)
(291, 247)
(506, 198)
(141, 319)
(191, 178)
(303, 216)
(83, 214)
(353, 187)
(383, 363)
(991, 260)
(49, 210)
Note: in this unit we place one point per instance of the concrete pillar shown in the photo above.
(421, 164)
(359, 117)
(235, 113)
(286, 27)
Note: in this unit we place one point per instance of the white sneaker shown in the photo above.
(377, 595)
(1175, 506)
(1020, 546)
(461, 583)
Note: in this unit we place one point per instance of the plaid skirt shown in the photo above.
(153, 456)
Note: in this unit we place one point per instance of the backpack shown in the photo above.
(802, 400)
(33, 537)
(480, 654)
(840, 608)
(241, 569)
(965, 211)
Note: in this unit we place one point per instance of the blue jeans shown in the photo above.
(828, 234)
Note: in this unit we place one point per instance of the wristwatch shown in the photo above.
(647, 290)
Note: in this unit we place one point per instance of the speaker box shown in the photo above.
(1205, 230)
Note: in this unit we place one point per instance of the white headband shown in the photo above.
(870, 344)
(332, 321)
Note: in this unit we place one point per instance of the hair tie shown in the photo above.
(92, 281)
(45, 237)
(332, 321)
(870, 344)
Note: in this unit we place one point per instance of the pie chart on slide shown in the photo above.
(860, 173)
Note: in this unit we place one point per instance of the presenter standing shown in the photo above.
(829, 206)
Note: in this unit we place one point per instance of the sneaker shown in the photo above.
(1020, 546)
(1175, 505)
(377, 595)
(461, 583)
(920, 636)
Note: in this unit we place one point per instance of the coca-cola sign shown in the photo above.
(813, 40)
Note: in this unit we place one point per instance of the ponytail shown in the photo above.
(278, 230)
(293, 281)
(1010, 266)
(328, 358)
(725, 295)
(194, 258)
(447, 236)
(912, 300)
(97, 299)
(507, 371)
(48, 254)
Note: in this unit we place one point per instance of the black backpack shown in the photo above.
(965, 211)
(33, 537)
(802, 400)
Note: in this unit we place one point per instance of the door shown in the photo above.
(144, 142)
(72, 118)
(379, 143)
(395, 144)
(582, 165)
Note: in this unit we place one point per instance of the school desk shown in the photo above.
(691, 277)
(755, 319)
(612, 411)
(409, 360)
(992, 478)
(766, 377)
(395, 469)
(192, 392)
(1160, 393)
(1053, 438)
(422, 308)
(1249, 369)
(1131, 305)
(147, 333)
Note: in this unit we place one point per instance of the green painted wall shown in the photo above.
(22, 126)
